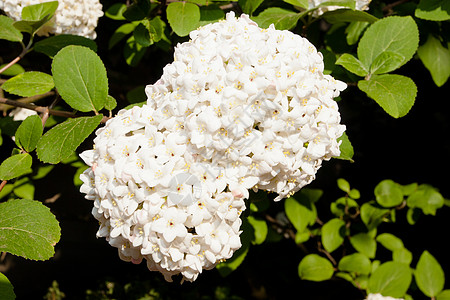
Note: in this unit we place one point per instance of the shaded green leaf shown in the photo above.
(372, 214)
(210, 14)
(394, 93)
(390, 279)
(346, 148)
(50, 46)
(356, 262)
(24, 188)
(436, 59)
(6, 288)
(315, 268)
(300, 211)
(333, 233)
(300, 3)
(14, 70)
(427, 198)
(80, 78)
(429, 275)
(116, 11)
(8, 31)
(348, 15)
(121, 33)
(15, 166)
(28, 229)
(249, 6)
(281, 18)
(260, 229)
(183, 17)
(37, 12)
(29, 133)
(138, 10)
(433, 10)
(354, 31)
(133, 51)
(60, 141)
(29, 84)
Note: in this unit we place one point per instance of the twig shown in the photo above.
(2, 185)
(24, 100)
(390, 6)
(319, 247)
(39, 109)
(14, 61)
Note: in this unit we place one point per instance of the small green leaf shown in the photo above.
(210, 14)
(300, 3)
(364, 243)
(6, 288)
(386, 62)
(390, 241)
(356, 262)
(372, 214)
(138, 10)
(8, 31)
(24, 188)
(433, 10)
(260, 229)
(444, 295)
(402, 255)
(183, 17)
(427, 198)
(354, 31)
(60, 141)
(282, 19)
(333, 233)
(395, 34)
(394, 93)
(29, 133)
(315, 268)
(346, 148)
(343, 185)
(340, 207)
(110, 103)
(39, 11)
(142, 35)
(300, 211)
(116, 11)
(352, 64)
(28, 229)
(249, 6)
(429, 275)
(390, 279)
(436, 59)
(121, 33)
(80, 78)
(348, 15)
(50, 46)
(388, 193)
(14, 70)
(133, 51)
(15, 166)
(29, 84)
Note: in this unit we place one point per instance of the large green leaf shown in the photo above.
(395, 34)
(394, 93)
(60, 141)
(390, 279)
(28, 229)
(29, 133)
(436, 59)
(15, 166)
(80, 78)
(433, 10)
(29, 84)
(281, 18)
(183, 17)
(388, 193)
(8, 31)
(333, 233)
(300, 211)
(50, 46)
(6, 288)
(315, 268)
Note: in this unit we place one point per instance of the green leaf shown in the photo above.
(343, 185)
(402, 255)
(14, 70)
(398, 35)
(386, 62)
(372, 214)
(183, 17)
(60, 141)
(29, 133)
(24, 188)
(28, 229)
(300, 3)
(80, 78)
(6, 288)
(121, 33)
(436, 59)
(427, 198)
(390, 241)
(364, 243)
(390, 279)
(116, 11)
(300, 211)
(429, 275)
(282, 19)
(29, 84)
(52, 45)
(346, 148)
(260, 229)
(210, 14)
(433, 10)
(39, 11)
(340, 207)
(142, 35)
(133, 51)
(110, 103)
(137, 94)
(352, 64)
(394, 93)
(356, 262)
(315, 268)
(138, 10)
(388, 193)
(249, 6)
(8, 31)
(15, 166)
(444, 295)
(348, 15)
(333, 233)
(354, 31)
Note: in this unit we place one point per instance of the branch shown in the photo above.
(39, 109)
(388, 8)
(24, 100)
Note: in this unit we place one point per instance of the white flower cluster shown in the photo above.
(78, 17)
(380, 297)
(359, 5)
(240, 108)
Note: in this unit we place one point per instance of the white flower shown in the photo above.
(359, 5)
(380, 297)
(20, 114)
(78, 17)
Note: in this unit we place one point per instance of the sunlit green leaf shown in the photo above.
(364, 243)
(436, 59)
(15, 166)
(356, 262)
(433, 10)
(281, 18)
(333, 233)
(183, 17)
(29, 84)
(29, 133)
(50, 46)
(8, 31)
(429, 275)
(6, 288)
(315, 268)
(391, 279)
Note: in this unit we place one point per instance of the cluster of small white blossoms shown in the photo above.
(78, 17)
(240, 108)
(359, 5)
(380, 297)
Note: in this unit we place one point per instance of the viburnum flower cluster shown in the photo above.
(240, 108)
(78, 17)
(359, 5)
(380, 297)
